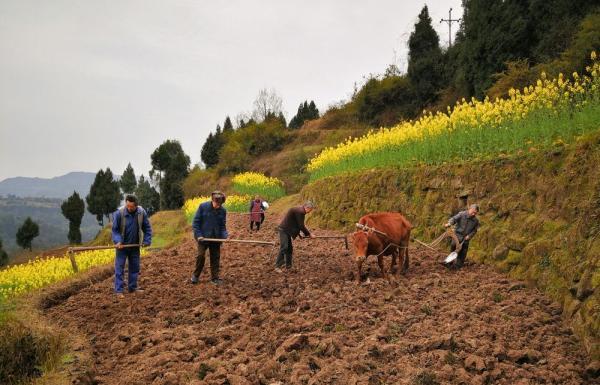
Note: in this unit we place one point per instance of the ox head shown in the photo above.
(360, 240)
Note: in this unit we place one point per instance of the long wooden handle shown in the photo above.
(344, 237)
(85, 248)
(236, 241)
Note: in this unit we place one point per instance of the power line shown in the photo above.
(449, 20)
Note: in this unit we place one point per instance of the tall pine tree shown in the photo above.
(26, 233)
(425, 70)
(73, 209)
(104, 196)
(170, 166)
(227, 125)
(147, 196)
(128, 181)
(210, 150)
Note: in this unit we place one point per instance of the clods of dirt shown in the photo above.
(316, 325)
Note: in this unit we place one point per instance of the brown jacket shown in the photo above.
(293, 222)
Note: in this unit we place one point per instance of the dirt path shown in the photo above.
(317, 326)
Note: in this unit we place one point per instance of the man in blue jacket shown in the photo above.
(130, 226)
(210, 222)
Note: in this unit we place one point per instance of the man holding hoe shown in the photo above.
(210, 221)
(289, 229)
(130, 227)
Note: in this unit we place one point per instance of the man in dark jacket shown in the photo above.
(130, 226)
(210, 222)
(466, 227)
(290, 228)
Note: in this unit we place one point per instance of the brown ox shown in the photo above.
(370, 242)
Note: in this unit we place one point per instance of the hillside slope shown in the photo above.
(540, 217)
(289, 164)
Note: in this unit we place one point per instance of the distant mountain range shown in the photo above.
(58, 187)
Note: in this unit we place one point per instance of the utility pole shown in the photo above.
(450, 21)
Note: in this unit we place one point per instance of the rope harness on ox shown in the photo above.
(367, 229)
(432, 246)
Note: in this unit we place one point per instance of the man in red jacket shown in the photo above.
(289, 229)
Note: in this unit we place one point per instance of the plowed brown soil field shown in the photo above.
(316, 325)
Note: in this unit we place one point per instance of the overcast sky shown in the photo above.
(90, 84)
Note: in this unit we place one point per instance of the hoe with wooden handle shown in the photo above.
(250, 241)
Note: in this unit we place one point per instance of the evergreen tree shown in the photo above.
(210, 153)
(493, 32)
(147, 196)
(313, 111)
(170, 165)
(425, 70)
(282, 120)
(26, 233)
(73, 209)
(3, 256)
(227, 126)
(128, 181)
(104, 196)
(213, 145)
(553, 24)
(305, 112)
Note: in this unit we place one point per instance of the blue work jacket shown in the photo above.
(132, 232)
(210, 222)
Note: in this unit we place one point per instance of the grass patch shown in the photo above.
(28, 348)
(168, 228)
(426, 377)
(203, 370)
(426, 309)
(450, 358)
(497, 297)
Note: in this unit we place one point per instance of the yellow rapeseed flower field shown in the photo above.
(233, 203)
(253, 183)
(38, 273)
(482, 122)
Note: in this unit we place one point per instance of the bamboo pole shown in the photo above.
(236, 241)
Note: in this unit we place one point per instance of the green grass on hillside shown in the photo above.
(538, 131)
(169, 228)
